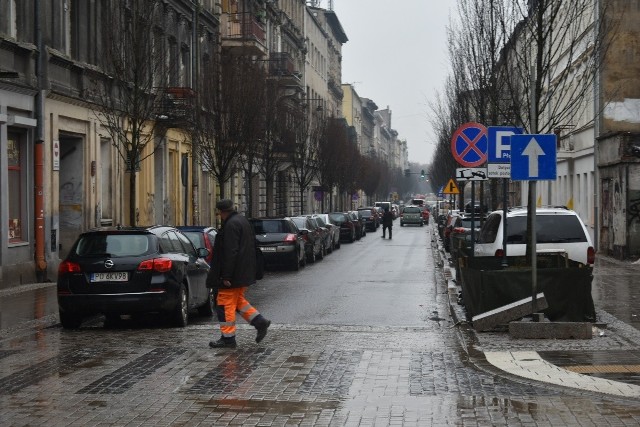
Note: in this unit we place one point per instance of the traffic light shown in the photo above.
(422, 174)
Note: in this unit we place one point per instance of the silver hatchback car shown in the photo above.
(411, 215)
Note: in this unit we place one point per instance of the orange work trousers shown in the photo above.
(230, 301)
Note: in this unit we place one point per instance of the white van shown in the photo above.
(384, 205)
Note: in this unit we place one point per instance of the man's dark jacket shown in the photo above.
(387, 218)
(234, 254)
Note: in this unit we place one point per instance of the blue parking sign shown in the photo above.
(533, 157)
(499, 143)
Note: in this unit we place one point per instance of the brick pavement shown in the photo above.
(301, 375)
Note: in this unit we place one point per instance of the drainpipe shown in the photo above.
(38, 152)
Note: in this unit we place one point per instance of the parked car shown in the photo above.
(460, 236)
(129, 270)
(314, 245)
(347, 227)
(557, 229)
(281, 242)
(327, 238)
(446, 237)
(426, 213)
(335, 228)
(370, 217)
(358, 224)
(334, 231)
(411, 215)
(202, 236)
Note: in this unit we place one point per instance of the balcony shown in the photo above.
(281, 66)
(243, 34)
(174, 106)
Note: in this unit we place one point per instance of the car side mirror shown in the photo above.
(203, 252)
(303, 232)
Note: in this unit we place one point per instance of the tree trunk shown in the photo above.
(132, 197)
(269, 195)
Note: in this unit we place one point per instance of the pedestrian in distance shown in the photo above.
(233, 270)
(387, 222)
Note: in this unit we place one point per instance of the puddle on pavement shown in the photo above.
(268, 406)
(26, 306)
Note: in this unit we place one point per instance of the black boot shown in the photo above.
(261, 324)
(223, 343)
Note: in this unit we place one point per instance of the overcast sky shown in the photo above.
(396, 56)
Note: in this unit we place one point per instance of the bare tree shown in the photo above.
(334, 137)
(133, 61)
(228, 120)
(274, 144)
(308, 127)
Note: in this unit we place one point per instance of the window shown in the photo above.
(187, 245)
(8, 18)
(17, 175)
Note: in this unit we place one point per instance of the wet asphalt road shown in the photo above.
(360, 338)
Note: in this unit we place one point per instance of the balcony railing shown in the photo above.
(281, 64)
(175, 104)
(244, 26)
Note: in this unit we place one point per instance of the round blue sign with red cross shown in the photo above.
(469, 144)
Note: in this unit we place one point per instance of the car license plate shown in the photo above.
(112, 276)
(269, 249)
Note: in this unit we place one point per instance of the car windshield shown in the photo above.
(266, 227)
(114, 245)
(365, 213)
(549, 229)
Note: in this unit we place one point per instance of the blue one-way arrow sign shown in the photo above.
(533, 157)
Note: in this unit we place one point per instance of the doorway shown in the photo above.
(71, 191)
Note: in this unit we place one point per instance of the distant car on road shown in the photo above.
(411, 215)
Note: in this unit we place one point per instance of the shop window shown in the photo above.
(17, 209)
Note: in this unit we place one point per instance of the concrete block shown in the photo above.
(551, 330)
(507, 313)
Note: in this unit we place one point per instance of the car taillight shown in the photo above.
(499, 253)
(161, 265)
(290, 238)
(68, 267)
(207, 245)
(591, 255)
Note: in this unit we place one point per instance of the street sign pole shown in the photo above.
(531, 211)
(505, 224)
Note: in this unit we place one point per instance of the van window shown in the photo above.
(417, 202)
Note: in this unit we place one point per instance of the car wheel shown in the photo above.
(402, 224)
(209, 307)
(312, 257)
(70, 321)
(338, 243)
(295, 262)
(181, 311)
(321, 253)
(421, 224)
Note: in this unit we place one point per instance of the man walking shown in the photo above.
(387, 222)
(233, 270)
